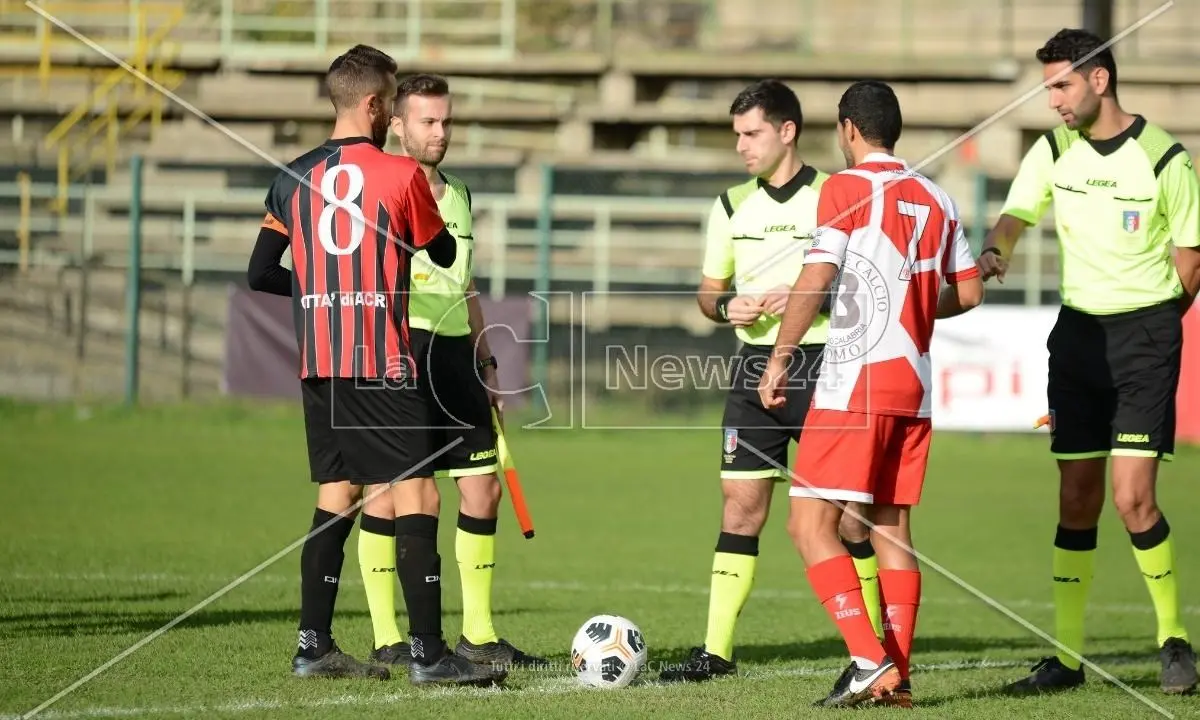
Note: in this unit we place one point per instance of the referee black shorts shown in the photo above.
(1112, 382)
(459, 408)
(365, 431)
(749, 427)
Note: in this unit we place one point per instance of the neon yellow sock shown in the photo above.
(476, 555)
(732, 578)
(377, 562)
(868, 575)
(1158, 568)
(1072, 578)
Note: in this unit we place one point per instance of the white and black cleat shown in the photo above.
(857, 685)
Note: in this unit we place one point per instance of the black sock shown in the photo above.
(860, 550)
(320, 569)
(737, 544)
(419, 568)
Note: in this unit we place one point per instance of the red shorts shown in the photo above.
(858, 457)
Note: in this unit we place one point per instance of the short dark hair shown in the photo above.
(777, 101)
(360, 71)
(1073, 45)
(424, 84)
(875, 110)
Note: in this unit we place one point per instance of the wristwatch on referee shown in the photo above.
(723, 306)
(487, 362)
(992, 249)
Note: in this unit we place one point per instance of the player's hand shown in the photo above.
(744, 310)
(770, 387)
(992, 265)
(776, 299)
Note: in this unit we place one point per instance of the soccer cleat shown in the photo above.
(337, 664)
(500, 653)
(1178, 667)
(700, 665)
(399, 653)
(1049, 675)
(901, 697)
(454, 669)
(856, 686)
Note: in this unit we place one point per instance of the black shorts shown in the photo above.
(747, 423)
(458, 403)
(363, 432)
(1112, 382)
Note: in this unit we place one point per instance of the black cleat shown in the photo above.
(855, 686)
(1048, 676)
(1178, 667)
(454, 669)
(500, 653)
(337, 664)
(700, 665)
(395, 654)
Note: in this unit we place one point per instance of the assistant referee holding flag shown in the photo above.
(1127, 213)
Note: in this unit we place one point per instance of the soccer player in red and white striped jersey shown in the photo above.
(352, 216)
(890, 243)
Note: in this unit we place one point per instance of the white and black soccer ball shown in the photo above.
(609, 651)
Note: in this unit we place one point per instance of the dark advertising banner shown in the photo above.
(261, 358)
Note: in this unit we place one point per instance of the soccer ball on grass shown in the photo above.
(609, 651)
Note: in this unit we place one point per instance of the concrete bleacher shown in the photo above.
(628, 100)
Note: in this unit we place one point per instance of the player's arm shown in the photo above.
(1028, 197)
(964, 284)
(1180, 191)
(429, 232)
(715, 297)
(265, 272)
(837, 213)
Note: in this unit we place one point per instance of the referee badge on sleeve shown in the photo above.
(1131, 220)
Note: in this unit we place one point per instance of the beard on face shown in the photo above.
(379, 130)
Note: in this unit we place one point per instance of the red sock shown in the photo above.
(900, 596)
(837, 587)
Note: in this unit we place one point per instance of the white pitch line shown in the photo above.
(549, 686)
(561, 586)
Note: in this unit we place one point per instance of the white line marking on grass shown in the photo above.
(376, 490)
(563, 586)
(548, 686)
(928, 563)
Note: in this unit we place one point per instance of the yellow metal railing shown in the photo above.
(81, 143)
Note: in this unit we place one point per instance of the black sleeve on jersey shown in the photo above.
(265, 273)
(442, 249)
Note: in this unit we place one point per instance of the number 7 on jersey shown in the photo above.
(920, 216)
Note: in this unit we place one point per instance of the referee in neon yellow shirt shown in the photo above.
(1127, 212)
(458, 372)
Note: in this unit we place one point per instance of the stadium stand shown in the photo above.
(628, 101)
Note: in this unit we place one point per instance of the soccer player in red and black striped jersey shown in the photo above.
(352, 216)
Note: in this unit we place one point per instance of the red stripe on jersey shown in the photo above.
(347, 283)
(393, 265)
(299, 268)
(320, 313)
(370, 269)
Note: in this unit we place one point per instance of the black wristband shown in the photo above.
(991, 250)
(723, 306)
(487, 362)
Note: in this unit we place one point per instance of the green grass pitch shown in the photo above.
(114, 523)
